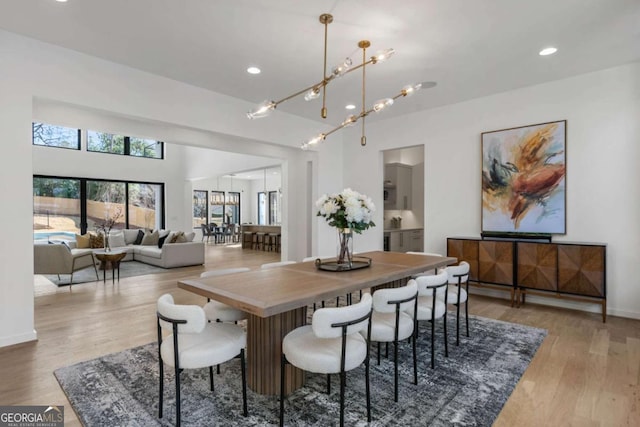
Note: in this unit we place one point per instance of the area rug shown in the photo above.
(127, 269)
(469, 388)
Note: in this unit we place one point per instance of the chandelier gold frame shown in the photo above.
(313, 91)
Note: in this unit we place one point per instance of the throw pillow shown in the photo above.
(150, 239)
(179, 237)
(116, 239)
(130, 236)
(83, 241)
(189, 236)
(96, 241)
(139, 238)
(164, 239)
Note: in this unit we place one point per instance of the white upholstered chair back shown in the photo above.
(382, 298)
(193, 314)
(323, 318)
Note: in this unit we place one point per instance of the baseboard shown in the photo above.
(18, 339)
(556, 302)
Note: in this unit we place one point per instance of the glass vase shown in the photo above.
(107, 246)
(345, 246)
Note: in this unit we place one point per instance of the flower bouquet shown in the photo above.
(348, 211)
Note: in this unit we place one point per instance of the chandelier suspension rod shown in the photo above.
(326, 19)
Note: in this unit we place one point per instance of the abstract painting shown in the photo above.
(523, 179)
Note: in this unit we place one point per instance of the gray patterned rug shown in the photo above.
(469, 388)
(127, 269)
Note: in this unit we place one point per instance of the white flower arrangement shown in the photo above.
(348, 209)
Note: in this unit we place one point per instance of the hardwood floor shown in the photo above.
(585, 373)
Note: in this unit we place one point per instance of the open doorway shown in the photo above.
(403, 190)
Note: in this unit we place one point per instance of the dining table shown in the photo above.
(276, 301)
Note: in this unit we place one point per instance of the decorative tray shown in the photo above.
(357, 262)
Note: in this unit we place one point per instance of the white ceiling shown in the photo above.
(471, 48)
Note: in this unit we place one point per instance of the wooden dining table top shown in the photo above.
(276, 290)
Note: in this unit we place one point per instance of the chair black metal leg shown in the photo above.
(218, 369)
(433, 340)
(282, 363)
(466, 314)
(161, 388)
(457, 324)
(328, 383)
(211, 377)
(378, 352)
(177, 373)
(368, 389)
(446, 338)
(395, 371)
(244, 383)
(342, 382)
(415, 359)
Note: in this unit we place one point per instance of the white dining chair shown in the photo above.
(457, 294)
(194, 343)
(391, 323)
(432, 292)
(331, 344)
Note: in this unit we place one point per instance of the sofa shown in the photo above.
(169, 255)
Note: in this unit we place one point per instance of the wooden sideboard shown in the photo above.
(574, 271)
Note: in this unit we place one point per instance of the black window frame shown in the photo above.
(206, 206)
(127, 147)
(83, 197)
(78, 147)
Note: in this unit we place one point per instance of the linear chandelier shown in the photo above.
(313, 91)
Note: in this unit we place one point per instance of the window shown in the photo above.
(56, 207)
(262, 208)
(145, 209)
(55, 136)
(200, 208)
(145, 148)
(103, 142)
(233, 207)
(77, 205)
(216, 209)
(274, 207)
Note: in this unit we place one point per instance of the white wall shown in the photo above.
(603, 150)
(180, 113)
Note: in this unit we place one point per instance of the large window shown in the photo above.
(56, 207)
(233, 207)
(262, 208)
(76, 205)
(128, 145)
(274, 207)
(144, 205)
(55, 136)
(200, 208)
(216, 208)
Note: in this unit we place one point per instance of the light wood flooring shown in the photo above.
(586, 373)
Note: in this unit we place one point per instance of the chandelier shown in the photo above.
(313, 91)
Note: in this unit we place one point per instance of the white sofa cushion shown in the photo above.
(116, 239)
(150, 251)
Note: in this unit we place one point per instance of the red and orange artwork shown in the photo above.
(523, 179)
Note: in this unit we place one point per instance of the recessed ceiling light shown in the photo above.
(253, 70)
(548, 51)
(61, 1)
(350, 107)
